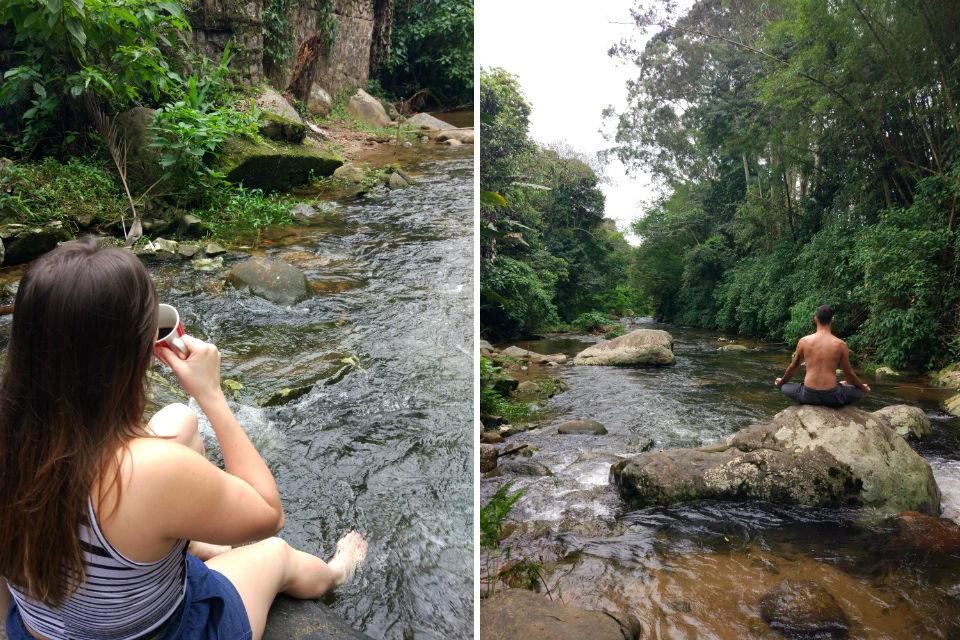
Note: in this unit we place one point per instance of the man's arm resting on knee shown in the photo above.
(848, 371)
(794, 366)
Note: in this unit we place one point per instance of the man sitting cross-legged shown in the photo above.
(823, 353)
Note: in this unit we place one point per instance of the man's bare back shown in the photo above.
(824, 353)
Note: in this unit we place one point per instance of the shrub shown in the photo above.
(591, 321)
(513, 302)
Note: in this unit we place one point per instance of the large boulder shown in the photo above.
(272, 102)
(273, 280)
(907, 421)
(279, 128)
(808, 455)
(33, 242)
(949, 376)
(641, 346)
(319, 102)
(518, 613)
(306, 620)
(366, 108)
(428, 122)
(274, 166)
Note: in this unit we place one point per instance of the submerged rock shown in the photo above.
(804, 609)
(579, 427)
(519, 613)
(907, 420)
(641, 346)
(286, 395)
(926, 534)
(273, 280)
(808, 455)
(732, 347)
(396, 181)
(519, 468)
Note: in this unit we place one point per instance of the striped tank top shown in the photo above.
(121, 599)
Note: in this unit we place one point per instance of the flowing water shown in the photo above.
(700, 570)
(381, 440)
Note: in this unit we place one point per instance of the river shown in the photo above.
(699, 570)
(382, 441)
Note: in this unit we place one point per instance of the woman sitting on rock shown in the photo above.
(96, 508)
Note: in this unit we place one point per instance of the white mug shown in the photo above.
(171, 330)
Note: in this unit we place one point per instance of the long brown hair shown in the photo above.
(72, 395)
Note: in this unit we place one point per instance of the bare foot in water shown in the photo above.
(351, 552)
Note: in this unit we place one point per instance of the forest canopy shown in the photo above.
(807, 153)
(548, 255)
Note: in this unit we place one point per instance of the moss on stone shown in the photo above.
(274, 165)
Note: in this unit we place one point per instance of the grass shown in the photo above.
(37, 193)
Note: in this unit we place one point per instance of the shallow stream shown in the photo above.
(381, 440)
(699, 570)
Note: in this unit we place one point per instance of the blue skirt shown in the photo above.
(211, 610)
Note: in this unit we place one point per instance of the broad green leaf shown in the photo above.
(492, 199)
(39, 90)
(127, 15)
(77, 32)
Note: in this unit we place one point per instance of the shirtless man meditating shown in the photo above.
(824, 353)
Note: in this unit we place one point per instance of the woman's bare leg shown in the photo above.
(262, 570)
(179, 422)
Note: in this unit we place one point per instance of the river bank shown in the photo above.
(381, 351)
(700, 569)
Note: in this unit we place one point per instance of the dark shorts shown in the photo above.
(840, 396)
(211, 610)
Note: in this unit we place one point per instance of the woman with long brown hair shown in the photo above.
(97, 508)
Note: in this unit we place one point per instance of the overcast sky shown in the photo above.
(558, 51)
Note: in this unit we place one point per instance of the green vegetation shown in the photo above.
(493, 402)
(38, 193)
(548, 256)
(112, 51)
(428, 54)
(808, 152)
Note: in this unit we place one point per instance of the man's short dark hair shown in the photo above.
(824, 314)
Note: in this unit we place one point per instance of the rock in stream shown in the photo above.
(808, 455)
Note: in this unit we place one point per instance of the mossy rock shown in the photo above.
(279, 128)
(274, 165)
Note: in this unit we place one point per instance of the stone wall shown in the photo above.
(216, 22)
(348, 65)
